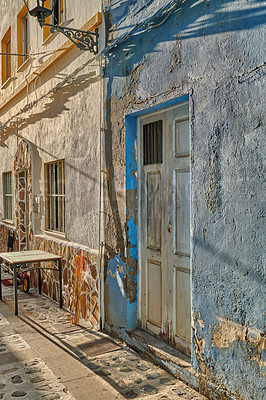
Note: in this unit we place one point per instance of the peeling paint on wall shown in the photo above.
(226, 332)
(132, 235)
(157, 66)
(116, 306)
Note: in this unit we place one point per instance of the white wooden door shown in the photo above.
(164, 228)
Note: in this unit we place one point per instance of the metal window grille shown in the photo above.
(8, 197)
(152, 143)
(55, 196)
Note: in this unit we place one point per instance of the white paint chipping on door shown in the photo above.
(164, 225)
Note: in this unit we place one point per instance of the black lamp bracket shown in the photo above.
(84, 40)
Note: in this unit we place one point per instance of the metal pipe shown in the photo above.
(101, 199)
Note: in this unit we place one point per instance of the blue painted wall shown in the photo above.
(117, 304)
(213, 51)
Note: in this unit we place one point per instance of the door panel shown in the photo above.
(154, 218)
(179, 169)
(164, 225)
(183, 317)
(182, 212)
(181, 138)
(154, 293)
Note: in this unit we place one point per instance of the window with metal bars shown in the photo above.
(55, 196)
(8, 196)
(152, 143)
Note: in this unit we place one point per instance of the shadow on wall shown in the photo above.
(232, 282)
(227, 259)
(190, 19)
(213, 17)
(53, 108)
(202, 17)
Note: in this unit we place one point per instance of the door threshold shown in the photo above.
(173, 361)
(159, 349)
(158, 352)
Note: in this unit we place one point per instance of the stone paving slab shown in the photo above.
(31, 380)
(3, 321)
(10, 343)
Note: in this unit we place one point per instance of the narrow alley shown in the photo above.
(131, 195)
(43, 356)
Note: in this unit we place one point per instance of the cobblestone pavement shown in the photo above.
(125, 374)
(11, 343)
(3, 320)
(31, 380)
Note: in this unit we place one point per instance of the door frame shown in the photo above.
(26, 212)
(140, 182)
(143, 309)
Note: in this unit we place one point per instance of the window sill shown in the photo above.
(23, 65)
(49, 38)
(8, 222)
(57, 235)
(6, 83)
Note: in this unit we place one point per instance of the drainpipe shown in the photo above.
(101, 206)
(101, 191)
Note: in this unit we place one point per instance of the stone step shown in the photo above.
(175, 362)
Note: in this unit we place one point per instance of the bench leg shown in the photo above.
(60, 283)
(15, 287)
(39, 279)
(0, 279)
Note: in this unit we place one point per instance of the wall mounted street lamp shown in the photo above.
(84, 40)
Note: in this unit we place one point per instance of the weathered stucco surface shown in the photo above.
(213, 51)
(58, 116)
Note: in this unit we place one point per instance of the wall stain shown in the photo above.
(226, 332)
(176, 57)
(120, 270)
(213, 192)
